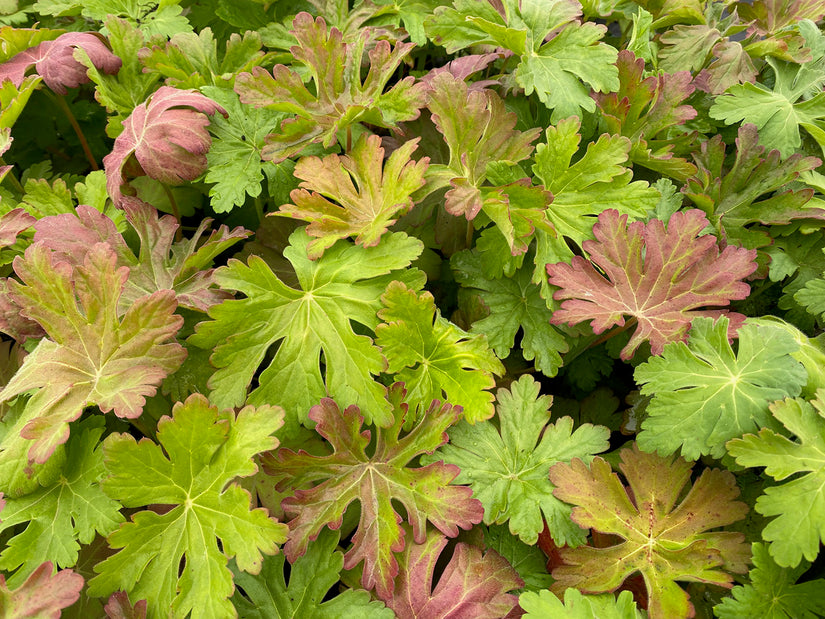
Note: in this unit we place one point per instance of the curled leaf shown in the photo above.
(168, 137)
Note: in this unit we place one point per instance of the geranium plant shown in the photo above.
(423, 309)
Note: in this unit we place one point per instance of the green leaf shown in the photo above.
(342, 287)
(507, 468)
(543, 604)
(62, 515)
(190, 60)
(433, 356)
(798, 504)
(773, 592)
(91, 356)
(235, 161)
(268, 596)
(664, 541)
(704, 393)
(163, 17)
(596, 181)
(515, 303)
(201, 451)
(326, 485)
(560, 58)
(370, 197)
(529, 561)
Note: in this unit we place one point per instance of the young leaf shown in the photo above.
(473, 584)
(597, 181)
(561, 58)
(201, 451)
(705, 394)
(433, 356)
(773, 592)
(799, 504)
(119, 607)
(268, 596)
(43, 595)
(161, 263)
(90, 356)
(647, 110)
(71, 510)
(190, 60)
(507, 469)
(235, 158)
(663, 541)
(168, 139)
(376, 481)
(795, 101)
(736, 198)
(515, 303)
(341, 98)
(342, 287)
(660, 277)
(543, 604)
(369, 198)
(55, 63)
(478, 131)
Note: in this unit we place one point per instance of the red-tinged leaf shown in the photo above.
(161, 264)
(54, 61)
(376, 481)
(119, 607)
(474, 583)
(12, 321)
(464, 66)
(167, 136)
(42, 596)
(91, 356)
(644, 109)
(660, 277)
(12, 224)
(478, 130)
(341, 97)
(663, 541)
(735, 198)
(731, 65)
(369, 198)
(771, 16)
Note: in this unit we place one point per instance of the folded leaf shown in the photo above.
(660, 277)
(168, 139)
(704, 393)
(55, 63)
(370, 198)
(798, 504)
(200, 452)
(664, 541)
(376, 481)
(473, 584)
(507, 468)
(91, 356)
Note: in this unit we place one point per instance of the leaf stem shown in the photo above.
(60, 101)
(13, 179)
(175, 211)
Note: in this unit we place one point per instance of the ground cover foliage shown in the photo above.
(414, 308)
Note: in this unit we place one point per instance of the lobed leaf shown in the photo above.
(44, 594)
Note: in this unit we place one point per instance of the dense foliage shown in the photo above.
(414, 308)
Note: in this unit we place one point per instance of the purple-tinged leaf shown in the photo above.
(42, 596)
(474, 583)
(54, 61)
(119, 607)
(660, 277)
(376, 481)
(167, 136)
